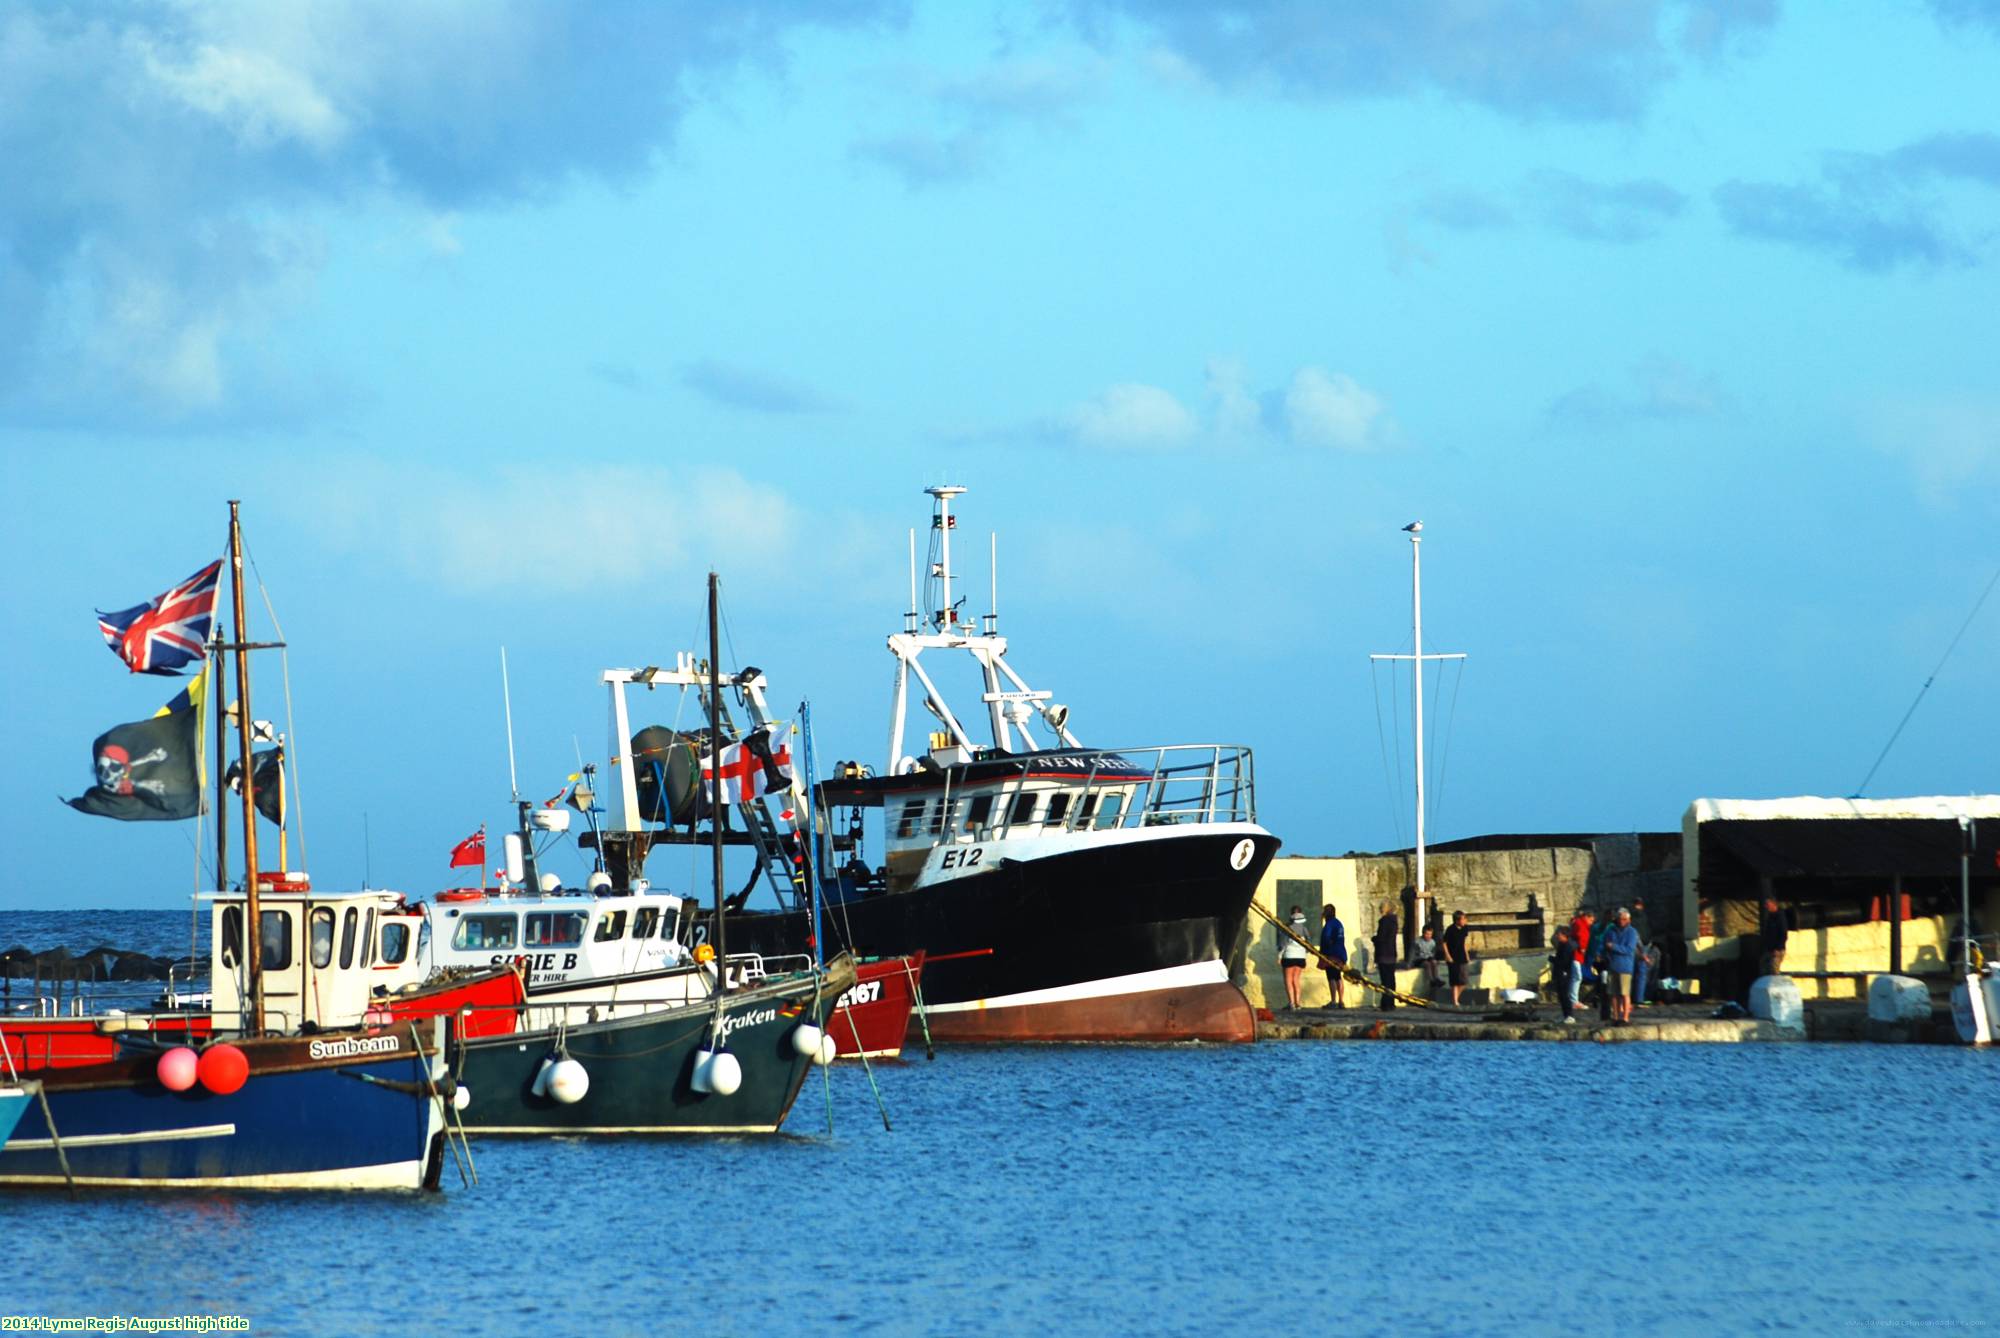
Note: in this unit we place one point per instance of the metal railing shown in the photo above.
(1168, 784)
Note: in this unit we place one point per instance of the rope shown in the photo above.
(62, 1157)
(923, 1016)
(1862, 788)
(1457, 682)
(291, 731)
(1350, 975)
(861, 1053)
(1391, 785)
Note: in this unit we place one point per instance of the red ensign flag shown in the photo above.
(472, 850)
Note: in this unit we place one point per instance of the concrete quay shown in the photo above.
(1676, 1023)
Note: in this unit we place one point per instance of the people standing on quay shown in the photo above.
(1292, 957)
(1333, 956)
(1775, 928)
(1426, 953)
(1387, 952)
(1579, 931)
(1621, 960)
(1562, 973)
(1456, 954)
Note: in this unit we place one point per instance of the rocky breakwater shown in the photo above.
(60, 965)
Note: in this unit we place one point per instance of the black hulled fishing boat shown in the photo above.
(1059, 892)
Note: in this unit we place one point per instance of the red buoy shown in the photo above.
(223, 1069)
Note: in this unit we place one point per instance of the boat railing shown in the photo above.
(1163, 785)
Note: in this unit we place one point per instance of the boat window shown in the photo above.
(942, 818)
(322, 936)
(347, 925)
(610, 927)
(232, 935)
(1085, 809)
(644, 920)
(1058, 809)
(276, 940)
(368, 939)
(1024, 807)
(1107, 812)
(978, 812)
(484, 933)
(555, 929)
(913, 813)
(395, 942)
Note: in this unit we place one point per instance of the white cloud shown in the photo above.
(1952, 445)
(259, 98)
(1238, 416)
(556, 531)
(1132, 416)
(1332, 409)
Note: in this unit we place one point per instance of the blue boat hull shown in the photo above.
(303, 1120)
(14, 1102)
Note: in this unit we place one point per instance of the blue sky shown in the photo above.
(1675, 324)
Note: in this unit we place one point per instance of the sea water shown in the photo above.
(1297, 1187)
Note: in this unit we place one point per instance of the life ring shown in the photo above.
(461, 894)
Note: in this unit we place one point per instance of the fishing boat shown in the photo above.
(337, 1110)
(362, 1107)
(1058, 892)
(729, 1059)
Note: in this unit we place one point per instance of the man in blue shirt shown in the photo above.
(1620, 951)
(1333, 955)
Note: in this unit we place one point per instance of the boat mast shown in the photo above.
(253, 925)
(218, 690)
(718, 815)
(1420, 888)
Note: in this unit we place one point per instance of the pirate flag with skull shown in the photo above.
(150, 770)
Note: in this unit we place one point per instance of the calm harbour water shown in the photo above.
(1346, 1188)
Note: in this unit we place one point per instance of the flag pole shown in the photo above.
(253, 926)
(718, 815)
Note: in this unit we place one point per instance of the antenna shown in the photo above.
(993, 577)
(911, 618)
(507, 702)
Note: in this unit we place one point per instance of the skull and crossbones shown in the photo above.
(114, 770)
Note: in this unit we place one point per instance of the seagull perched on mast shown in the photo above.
(1414, 527)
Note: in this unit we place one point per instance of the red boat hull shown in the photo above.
(873, 1017)
(1210, 1011)
(486, 1006)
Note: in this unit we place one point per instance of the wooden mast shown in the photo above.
(218, 690)
(718, 815)
(253, 925)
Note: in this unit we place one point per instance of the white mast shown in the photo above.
(1415, 530)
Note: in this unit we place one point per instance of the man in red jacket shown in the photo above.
(1579, 930)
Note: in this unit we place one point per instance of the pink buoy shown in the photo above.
(177, 1068)
(224, 1069)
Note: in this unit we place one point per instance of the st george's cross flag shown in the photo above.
(760, 764)
(165, 634)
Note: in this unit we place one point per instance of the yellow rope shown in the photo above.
(1347, 973)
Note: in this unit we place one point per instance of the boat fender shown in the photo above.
(540, 1086)
(223, 1069)
(568, 1081)
(717, 1071)
(827, 1050)
(704, 953)
(176, 1069)
(806, 1038)
(461, 1097)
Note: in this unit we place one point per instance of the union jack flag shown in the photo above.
(167, 633)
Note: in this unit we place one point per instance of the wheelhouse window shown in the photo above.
(913, 813)
(1024, 808)
(232, 935)
(644, 921)
(276, 940)
(484, 933)
(322, 936)
(610, 927)
(350, 920)
(395, 942)
(1107, 812)
(368, 939)
(1058, 809)
(941, 817)
(555, 929)
(1085, 809)
(978, 812)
